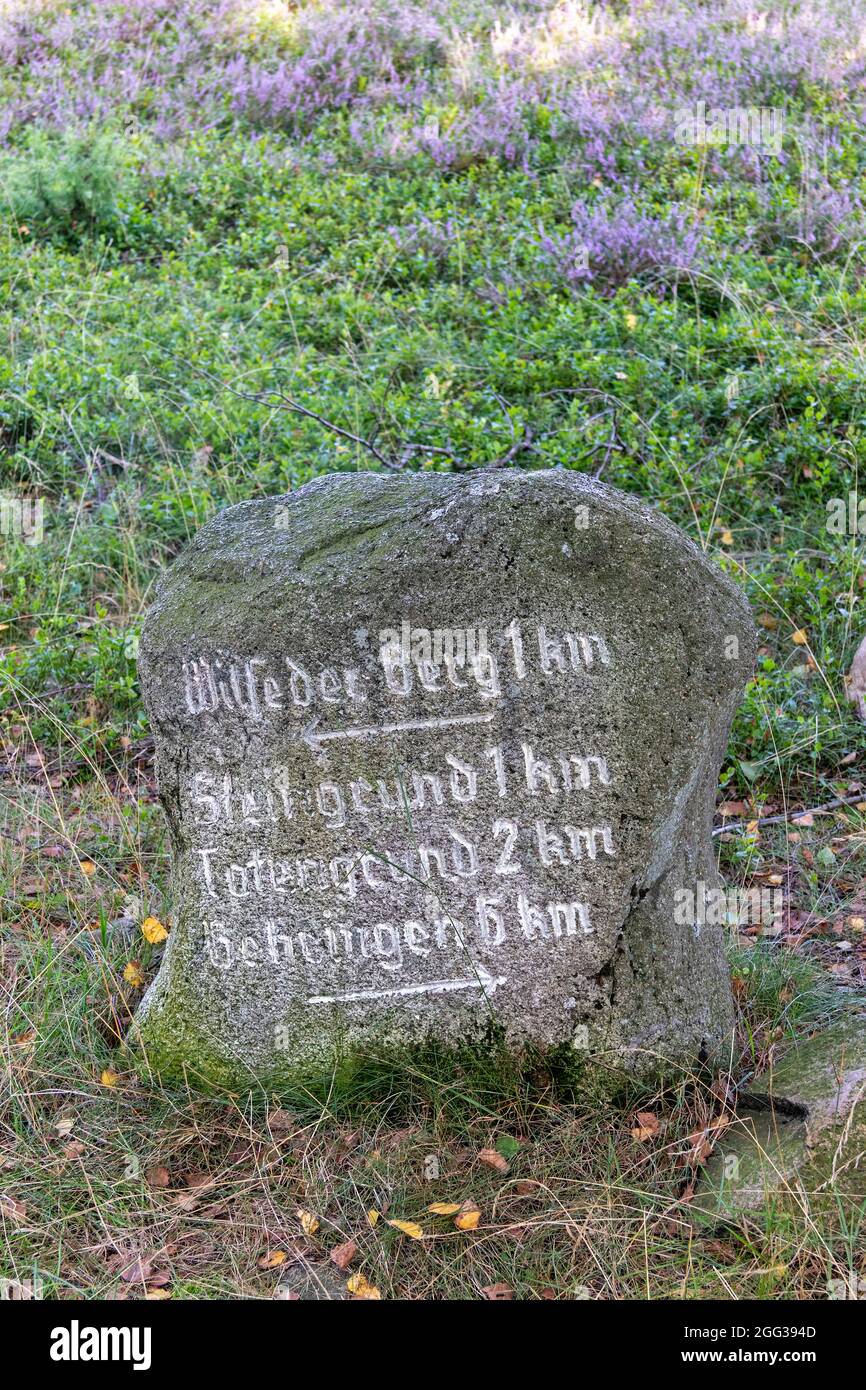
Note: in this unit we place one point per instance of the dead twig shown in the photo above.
(278, 399)
(791, 815)
(524, 445)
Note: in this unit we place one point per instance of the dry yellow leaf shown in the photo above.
(409, 1228)
(309, 1222)
(153, 931)
(468, 1217)
(646, 1126)
(109, 1077)
(444, 1208)
(373, 1216)
(132, 974)
(271, 1261)
(800, 637)
(360, 1288)
(88, 868)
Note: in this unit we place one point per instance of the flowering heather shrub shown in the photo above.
(609, 246)
(730, 52)
(359, 53)
(189, 62)
(591, 89)
(429, 240)
(490, 73)
(499, 126)
(822, 218)
(64, 67)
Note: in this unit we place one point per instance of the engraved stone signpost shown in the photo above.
(437, 753)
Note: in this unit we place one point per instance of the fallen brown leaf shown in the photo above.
(138, 1271)
(282, 1121)
(343, 1255)
(492, 1159)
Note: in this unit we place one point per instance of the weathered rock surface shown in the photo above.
(312, 1283)
(801, 1134)
(437, 753)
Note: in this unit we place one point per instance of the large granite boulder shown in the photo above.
(439, 757)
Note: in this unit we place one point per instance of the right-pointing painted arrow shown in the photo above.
(483, 980)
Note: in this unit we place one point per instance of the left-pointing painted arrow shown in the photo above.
(314, 739)
(483, 980)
